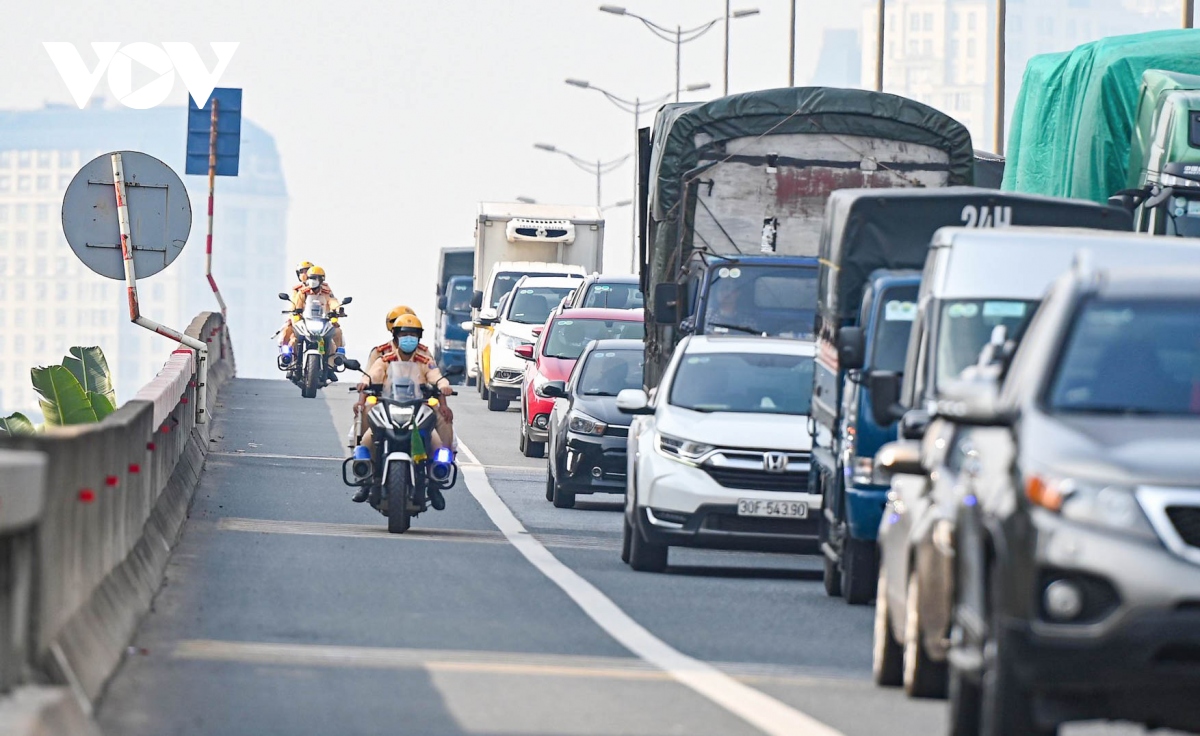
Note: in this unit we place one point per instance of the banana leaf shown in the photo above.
(91, 370)
(63, 400)
(17, 425)
(101, 404)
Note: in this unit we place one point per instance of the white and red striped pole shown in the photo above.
(135, 311)
(212, 178)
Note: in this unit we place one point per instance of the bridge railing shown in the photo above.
(88, 516)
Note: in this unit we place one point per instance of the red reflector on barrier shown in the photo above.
(165, 429)
(150, 446)
(111, 481)
(183, 400)
(135, 468)
(87, 495)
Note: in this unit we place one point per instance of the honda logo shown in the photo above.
(775, 462)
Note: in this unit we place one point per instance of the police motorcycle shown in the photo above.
(402, 415)
(313, 325)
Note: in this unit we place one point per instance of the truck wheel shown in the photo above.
(495, 403)
(860, 570)
(644, 556)
(887, 656)
(832, 577)
(396, 492)
(923, 677)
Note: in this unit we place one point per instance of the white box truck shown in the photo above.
(511, 240)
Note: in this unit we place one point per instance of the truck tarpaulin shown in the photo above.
(866, 229)
(759, 166)
(1074, 116)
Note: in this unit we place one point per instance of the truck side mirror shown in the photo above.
(666, 303)
(852, 348)
(442, 303)
(885, 397)
(477, 299)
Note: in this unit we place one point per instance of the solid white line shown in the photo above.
(753, 706)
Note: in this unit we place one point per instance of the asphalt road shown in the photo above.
(289, 610)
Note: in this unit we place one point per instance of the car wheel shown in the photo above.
(832, 577)
(550, 480)
(495, 403)
(522, 441)
(645, 556)
(1005, 707)
(563, 498)
(923, 677)
(887, 656)
(529, 448)
(859, 570)
(626, 538)
(483, 392)
(964, 704)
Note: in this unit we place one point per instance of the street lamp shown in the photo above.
(680, 35)
(526, 200)
(622, 203)
(596, 168)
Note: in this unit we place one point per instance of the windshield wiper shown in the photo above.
(738, 328)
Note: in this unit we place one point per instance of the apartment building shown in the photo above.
(49, 301)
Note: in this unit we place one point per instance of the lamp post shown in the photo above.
(620, 203)
(680, 35)
(1001, 24)
(1189, 12)
(596, 168)
(526, 200)
(879, 29)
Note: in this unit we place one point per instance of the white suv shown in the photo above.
(523, 311)
(720, 455)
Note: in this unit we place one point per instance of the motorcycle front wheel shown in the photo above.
(312, 377)
(396, 489)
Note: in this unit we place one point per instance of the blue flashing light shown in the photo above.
(893, 518)
(443, 455)
(970, 500)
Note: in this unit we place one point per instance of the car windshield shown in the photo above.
(613, 296)
(506, 280)
(459, 298)
(754, 383)
(608, 372)
(1131, 357)
(568, 337)
(966, 326)
(531, 305)
(760, 300)
(889, 344)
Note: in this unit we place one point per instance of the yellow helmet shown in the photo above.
(407, 322)
(302, 266)
(396, 312)
(316, 271)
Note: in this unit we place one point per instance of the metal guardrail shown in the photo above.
(88, 517)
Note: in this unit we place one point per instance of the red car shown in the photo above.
(551, 358)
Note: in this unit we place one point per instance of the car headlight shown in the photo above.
(583, 424)
(456, 344)
(1087, 502)
(509, 342)
(682, 450)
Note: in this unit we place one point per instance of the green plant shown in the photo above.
(91, 370)
(17, 425)
(79, 391)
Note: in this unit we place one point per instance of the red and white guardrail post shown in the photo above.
(212, 177)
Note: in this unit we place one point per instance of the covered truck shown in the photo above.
(1163, 183)
(733, 196)
(449, 339)
(873, 250)
(1074, 120)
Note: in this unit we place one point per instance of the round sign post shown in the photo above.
(99, 229)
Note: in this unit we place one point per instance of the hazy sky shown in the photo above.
(393, 119)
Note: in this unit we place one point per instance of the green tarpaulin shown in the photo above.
(1074, 117)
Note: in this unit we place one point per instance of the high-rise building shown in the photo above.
(49, 301)
(839, 63)
(942, 52)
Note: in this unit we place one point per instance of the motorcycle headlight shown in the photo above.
(401, 416)
(685, 451)
(583, 424)
(1087, 502)
(314, 326)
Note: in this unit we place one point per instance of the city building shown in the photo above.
(942, 52)
(49, 301)
(839, 63)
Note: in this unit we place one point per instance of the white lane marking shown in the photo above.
(753, 706)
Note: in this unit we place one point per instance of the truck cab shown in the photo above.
(450, 340)
(768, 296)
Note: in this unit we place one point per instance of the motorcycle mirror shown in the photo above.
(352, 364)
(347, 300)
(284, 297)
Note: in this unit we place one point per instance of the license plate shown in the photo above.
(776, 509)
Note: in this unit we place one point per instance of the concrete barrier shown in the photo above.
(111, 500)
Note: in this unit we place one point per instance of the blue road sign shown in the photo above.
(229, 132)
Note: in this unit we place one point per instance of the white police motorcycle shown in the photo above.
(313, 325)
(402, 416)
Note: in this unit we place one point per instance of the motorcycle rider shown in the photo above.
(404, 347)
(301, 275)
(314, 285)
(378, 351)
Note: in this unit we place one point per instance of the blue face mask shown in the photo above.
(408, 344)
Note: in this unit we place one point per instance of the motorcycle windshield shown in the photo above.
(314, 308)
(404, 380)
